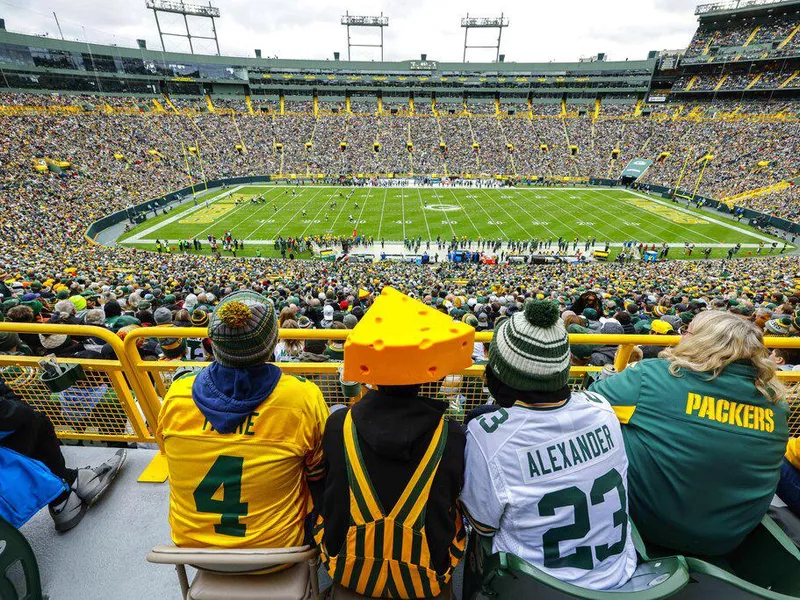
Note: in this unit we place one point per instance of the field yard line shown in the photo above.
(322, 207)
(466, 212)
(710, 219)
(523, 209)
(336, 220)
(450, 223)
(297, 212)
(651, 215)
(497, 204)
(555, 216)
(138, 236)
(255, 214)
(383, 207)
(358, 218)
(424, 216)
(403, 209)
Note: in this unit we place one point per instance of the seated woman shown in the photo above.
(705, 429)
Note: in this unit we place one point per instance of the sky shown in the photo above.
(539, 31)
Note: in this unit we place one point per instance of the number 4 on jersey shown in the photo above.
(226, 472)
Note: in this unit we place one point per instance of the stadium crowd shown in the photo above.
(393, 434)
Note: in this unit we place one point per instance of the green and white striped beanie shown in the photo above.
(243, 329)
(530, 351)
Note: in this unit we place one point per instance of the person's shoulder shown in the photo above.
(492, 429)
(456, 432)
(591, 400)
(297, 389)
(181, 386)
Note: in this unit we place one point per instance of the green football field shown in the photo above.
(395, 214)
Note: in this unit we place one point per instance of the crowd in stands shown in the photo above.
(763, 79)
(119, 159)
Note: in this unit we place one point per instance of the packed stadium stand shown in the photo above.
(95, 138)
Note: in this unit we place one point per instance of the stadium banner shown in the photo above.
(637, 167)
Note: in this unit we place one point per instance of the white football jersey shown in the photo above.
(550, 484)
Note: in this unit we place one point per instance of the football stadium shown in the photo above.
(304, 328)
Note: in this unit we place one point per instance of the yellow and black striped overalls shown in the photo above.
(387, 555)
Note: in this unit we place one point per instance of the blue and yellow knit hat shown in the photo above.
(243, 329)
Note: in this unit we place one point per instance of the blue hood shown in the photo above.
(227, 396)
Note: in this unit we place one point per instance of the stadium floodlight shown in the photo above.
(349, 21)
(187, 10)
(365, 21)
(484, 23)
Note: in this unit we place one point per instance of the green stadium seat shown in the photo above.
(19, 571)
(766, 565)
(233, 574)
(502, 575)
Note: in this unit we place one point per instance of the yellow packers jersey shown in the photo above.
(247, 488)
(793, 452)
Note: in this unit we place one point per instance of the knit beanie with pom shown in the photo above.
(243, 329)
(530, 351)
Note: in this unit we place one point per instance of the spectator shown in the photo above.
(288, 350)
(705, 429)
(538, 429)
(335, 349)
(31, 433)
(242, 424)
(657, 327)
(396, 454)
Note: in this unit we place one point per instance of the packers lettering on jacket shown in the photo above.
(730, 412)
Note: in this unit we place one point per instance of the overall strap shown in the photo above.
(411, 505)
(364, 504)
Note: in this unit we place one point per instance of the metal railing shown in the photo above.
(119, 400)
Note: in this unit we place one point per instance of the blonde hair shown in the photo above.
(718, 339)
(293, 347)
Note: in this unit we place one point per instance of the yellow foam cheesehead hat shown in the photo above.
(401, 341)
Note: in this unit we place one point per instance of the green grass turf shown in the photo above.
(393, 214)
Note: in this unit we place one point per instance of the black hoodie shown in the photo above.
(394, 434)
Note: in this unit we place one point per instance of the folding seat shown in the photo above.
(232, 574)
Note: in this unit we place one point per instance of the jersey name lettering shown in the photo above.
(244, 428)
(572, 452)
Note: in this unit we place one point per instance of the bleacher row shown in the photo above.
(114, 150)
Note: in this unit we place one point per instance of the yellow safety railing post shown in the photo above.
(622, 357)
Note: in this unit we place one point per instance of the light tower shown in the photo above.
(187, 10)
(349, 21)
(484, 23)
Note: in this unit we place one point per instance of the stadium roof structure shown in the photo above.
(265, 64)
(736, 8)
